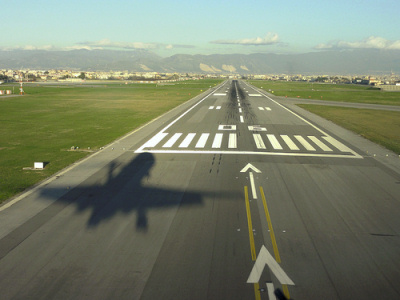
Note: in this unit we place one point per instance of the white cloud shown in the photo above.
(48, 48)
(269, 39)
(106, 43)
(373, 42)
(29, 47)
(101, 44)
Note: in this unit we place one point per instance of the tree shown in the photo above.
(82, 76)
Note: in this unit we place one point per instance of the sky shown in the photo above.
(200, 27)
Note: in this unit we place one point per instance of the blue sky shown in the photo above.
(201, 27)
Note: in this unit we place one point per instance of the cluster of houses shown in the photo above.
(70, 75)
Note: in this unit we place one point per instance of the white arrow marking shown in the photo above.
(265, 258)
(250, 166)
(253, 186)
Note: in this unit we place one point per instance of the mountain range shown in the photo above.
(358, 61)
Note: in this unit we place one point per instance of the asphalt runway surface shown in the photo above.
(181, 208)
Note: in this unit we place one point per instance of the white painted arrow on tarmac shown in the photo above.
(253, 187)
(265, 258)
(250, 166)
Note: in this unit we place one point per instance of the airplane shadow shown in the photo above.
(120, 188)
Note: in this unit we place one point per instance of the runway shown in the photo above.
(180, 209)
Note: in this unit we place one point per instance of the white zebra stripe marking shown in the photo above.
(259, 142)
(217, 140)
(319, 143)
(232, 141)
(274, 142)
(202, 140)
(337, 144)
(172, 140)
(155, 140)
(304, 143)
(188, 139)
(292, 146)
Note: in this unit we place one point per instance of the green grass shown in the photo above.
(381, 127)
(332, 92)
(48, 120)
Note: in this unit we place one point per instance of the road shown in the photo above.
(181, 208)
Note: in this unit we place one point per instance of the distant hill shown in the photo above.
(362, 61)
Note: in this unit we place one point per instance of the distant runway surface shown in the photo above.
(181, 208)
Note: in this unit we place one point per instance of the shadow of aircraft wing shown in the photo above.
(124, 193)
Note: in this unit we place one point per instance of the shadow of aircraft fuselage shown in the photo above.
(119, 188)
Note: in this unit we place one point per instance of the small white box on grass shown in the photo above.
(38, 165)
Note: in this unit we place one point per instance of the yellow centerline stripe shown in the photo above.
(251, 238)
(271, 229)
(257, 291)
(273, 239)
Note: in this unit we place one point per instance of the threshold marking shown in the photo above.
(292, 146)
(232, 141)
(217, 141)
(337, 144)
(155, 140)
(172, 140)
(188, 139)
(319, 143)
(304, 143)
(274, 141)
(202, 140)
(259, 141)
(327, 137)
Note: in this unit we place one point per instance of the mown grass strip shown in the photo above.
(381, 127)
(332, 92)
(44, 124)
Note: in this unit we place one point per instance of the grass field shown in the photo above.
(333, 92)
(45, 123)
(381, 127)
